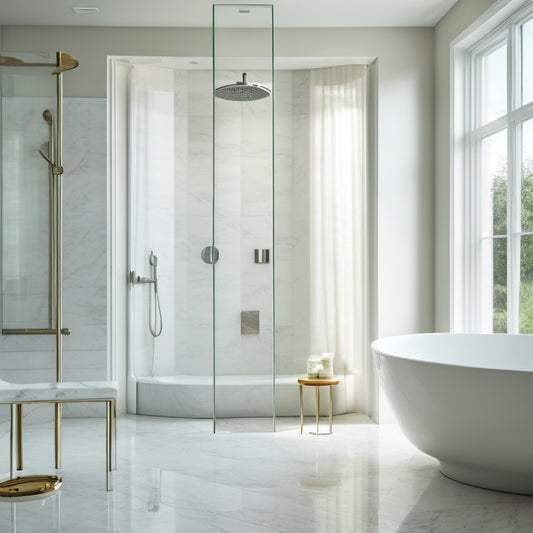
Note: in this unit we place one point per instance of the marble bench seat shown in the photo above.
(71, 391)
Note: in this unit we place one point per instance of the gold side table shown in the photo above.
(317, 383)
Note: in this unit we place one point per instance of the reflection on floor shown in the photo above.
(174, 475)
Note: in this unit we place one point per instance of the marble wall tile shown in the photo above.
(301, 217)
(85, 235)
(228, 165)
(32, 358)
(23, 343)
(154, 229)
(200, 88)
(301, 92)
(25, 215)
(283, 83)
(284, 237)
(87, 337)
(284, 351)
(181, 144)
(182, 105)
(242, 223)
(29, 375)
(79, 359)
(256, 160)
(196, 357)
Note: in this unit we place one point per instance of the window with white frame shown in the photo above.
(497, 180)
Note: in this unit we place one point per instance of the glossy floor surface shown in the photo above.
(174, 476)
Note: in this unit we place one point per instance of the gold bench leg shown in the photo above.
(19, 435)
(108, 443)
(111, 441)
(317, 394)
(11, 437)
(114, 434)
(301, 411)
(330, 409)
(58, 413)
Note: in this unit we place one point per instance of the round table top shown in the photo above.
(317, 382)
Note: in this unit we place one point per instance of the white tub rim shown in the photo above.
(385, 347)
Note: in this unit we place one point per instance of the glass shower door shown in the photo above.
(170, 220)
(243, 223)
(28, 109)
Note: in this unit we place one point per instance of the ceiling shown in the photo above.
(197, 13)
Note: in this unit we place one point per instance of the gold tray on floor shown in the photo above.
(29, 485)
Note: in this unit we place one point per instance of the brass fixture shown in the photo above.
(39, 484)
(63, 62)
(29, 486)
(52, 152)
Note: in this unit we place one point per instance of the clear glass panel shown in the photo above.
(171, 216)
(26, 93)
(526, 284)
(243, 210)
(494, 84)
(494, 184)
(526, 193)
(291, 235)
(494, 286)
(527, 62)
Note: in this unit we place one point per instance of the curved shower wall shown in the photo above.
(172, 215)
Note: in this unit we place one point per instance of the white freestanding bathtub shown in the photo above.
(466, 400)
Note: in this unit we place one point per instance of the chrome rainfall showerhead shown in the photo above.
(242, 91)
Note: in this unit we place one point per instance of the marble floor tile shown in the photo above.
(175, 475)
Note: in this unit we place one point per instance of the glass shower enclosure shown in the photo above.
(201, 243)
(243, 222)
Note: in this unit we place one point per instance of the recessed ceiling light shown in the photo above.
(85, 10)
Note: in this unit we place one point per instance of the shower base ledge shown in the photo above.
(236, 396)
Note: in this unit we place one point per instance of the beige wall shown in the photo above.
(405, 174)
(464, 13)
(91, 46)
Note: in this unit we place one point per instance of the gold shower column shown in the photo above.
(28, 485)
(64, 62)
(58, 223)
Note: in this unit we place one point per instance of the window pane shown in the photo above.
(494, 184)
(526, 192)
(494, 286)
(494, 84)
(527, 62)
(526, 284)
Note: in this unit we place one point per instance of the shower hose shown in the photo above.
(154, 311)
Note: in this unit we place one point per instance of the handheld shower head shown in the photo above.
(155, 330)
(47, 116)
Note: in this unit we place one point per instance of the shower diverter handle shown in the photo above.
(210, 255)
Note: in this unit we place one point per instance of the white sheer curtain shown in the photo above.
(338, 232)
